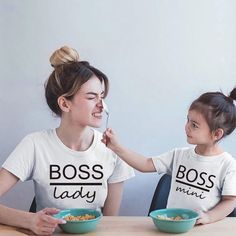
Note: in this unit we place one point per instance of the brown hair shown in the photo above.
(68, 76)
(218, 110)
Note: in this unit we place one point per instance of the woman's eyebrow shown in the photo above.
(91, 93)
(95, 94)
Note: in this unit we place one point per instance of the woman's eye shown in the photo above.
(194, 125)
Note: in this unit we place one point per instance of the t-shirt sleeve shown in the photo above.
(121, 172)
(229, 186)
(21, 160)
(164, 162)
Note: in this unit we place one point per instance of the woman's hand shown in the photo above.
(43, 223)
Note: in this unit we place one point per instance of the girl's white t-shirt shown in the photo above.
(198, 182)
(64, 178)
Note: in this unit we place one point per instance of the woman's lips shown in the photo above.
(97, 115)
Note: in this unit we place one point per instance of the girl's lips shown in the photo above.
(188, 135)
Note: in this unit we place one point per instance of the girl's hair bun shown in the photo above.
(64, 55)
(233, 94)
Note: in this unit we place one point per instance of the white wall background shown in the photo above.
(158, 54)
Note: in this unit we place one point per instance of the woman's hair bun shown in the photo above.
(64, 55)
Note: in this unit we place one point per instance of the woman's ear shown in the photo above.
(63, 103)
(218, 134)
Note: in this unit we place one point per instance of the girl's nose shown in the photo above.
(187, 127)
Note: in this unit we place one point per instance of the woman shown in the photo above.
(69, 165)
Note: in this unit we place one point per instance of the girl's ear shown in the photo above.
(63, 103)
(218, 134)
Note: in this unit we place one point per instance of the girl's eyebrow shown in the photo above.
(193, 120)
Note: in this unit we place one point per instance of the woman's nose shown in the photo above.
(99, 104)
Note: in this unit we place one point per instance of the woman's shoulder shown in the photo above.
(40, 135)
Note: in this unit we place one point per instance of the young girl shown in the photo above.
(69, 165)
(203, 177)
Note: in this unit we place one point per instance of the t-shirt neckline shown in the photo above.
(73, 152)
(206, 158)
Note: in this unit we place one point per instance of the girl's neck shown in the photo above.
(210, 150)
(75, 138)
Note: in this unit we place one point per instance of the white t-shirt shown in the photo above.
(64, 178)
(198, 182)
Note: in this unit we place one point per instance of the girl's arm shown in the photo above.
(133, 159)
(40, 223)
(113, 201)
(220, 211)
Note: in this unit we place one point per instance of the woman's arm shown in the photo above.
(220, 211)
(40, 223)
(10, 216)
(7, 181)
(133, 159)
(113, 201)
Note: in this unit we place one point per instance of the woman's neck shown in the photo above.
(209, 150)
(75, 138)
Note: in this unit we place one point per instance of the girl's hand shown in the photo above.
(43, 223)
(110, 139)
(203, 218)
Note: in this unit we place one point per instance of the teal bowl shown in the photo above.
(161, 221)
(79, 226)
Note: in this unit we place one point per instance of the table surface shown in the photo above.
(137, 226)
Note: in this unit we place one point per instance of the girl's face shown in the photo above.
(85, 109)
(197, 129)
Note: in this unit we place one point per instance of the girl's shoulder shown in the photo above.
(183, 151)
(228, 158)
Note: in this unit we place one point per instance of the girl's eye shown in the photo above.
(194, 125)
(91, 98)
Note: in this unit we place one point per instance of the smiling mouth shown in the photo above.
(97, 115)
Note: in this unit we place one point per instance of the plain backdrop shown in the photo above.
(158, 54)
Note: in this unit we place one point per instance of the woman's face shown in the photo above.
(85, 109)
